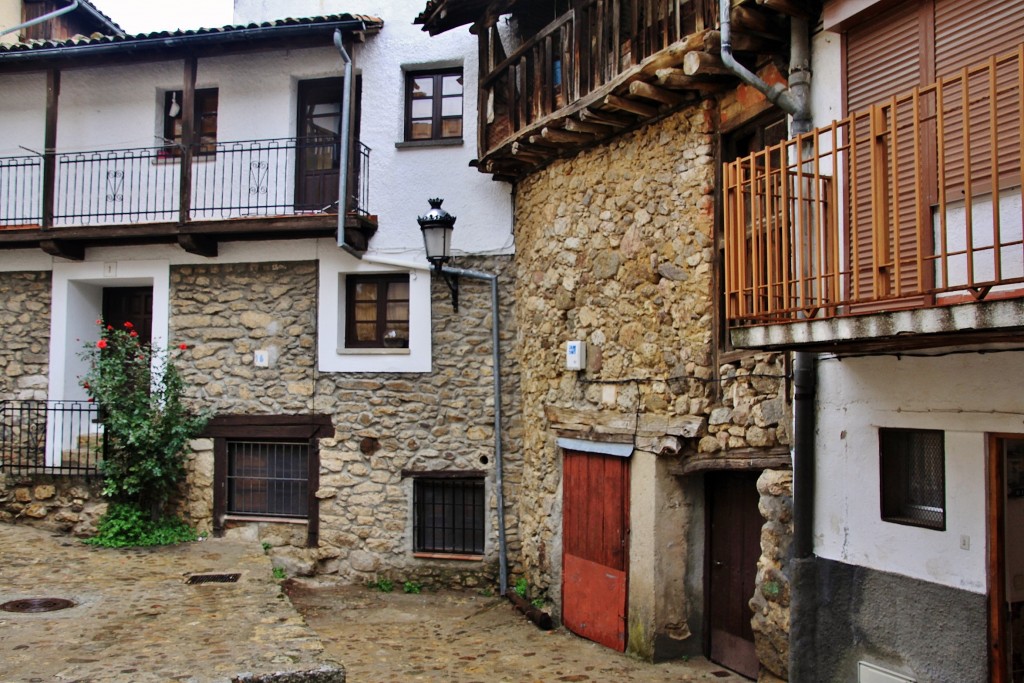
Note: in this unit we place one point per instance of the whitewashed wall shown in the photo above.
(966, 396)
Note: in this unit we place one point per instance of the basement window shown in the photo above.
(448, 515)
(912, 465)
(268, 478)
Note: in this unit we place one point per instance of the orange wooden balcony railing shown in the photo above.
(914, 202)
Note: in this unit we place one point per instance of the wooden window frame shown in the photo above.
(474, 482)
(899, 452)
(204, 145)
(382, 322)
(288, 428)
(436, 118)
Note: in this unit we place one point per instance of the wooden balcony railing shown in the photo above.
(252, 178)
(915, 202)
(581, 51)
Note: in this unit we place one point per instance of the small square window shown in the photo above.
(433, 105)
(377, 311)
(913, 477)
(448, 515)
(268, 478)
(205, 134)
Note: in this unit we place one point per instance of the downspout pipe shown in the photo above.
(346, 125)
(498, 459)
(46, 17)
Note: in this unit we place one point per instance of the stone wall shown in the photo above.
(771, 601)
(24, 335)
(59, 503)
(615, 246)
(385, 423)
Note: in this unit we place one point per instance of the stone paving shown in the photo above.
(136, 620)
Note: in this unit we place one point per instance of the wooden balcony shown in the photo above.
(283, 188)
(907, 210)
(600, 68)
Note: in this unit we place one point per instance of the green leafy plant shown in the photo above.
(412, 587)
(147, 424)
(266, 548)
(125, 525)
(382, 585)
(279, 573)
(538, 603)
(521, 586)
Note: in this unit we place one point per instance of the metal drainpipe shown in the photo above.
(803, 606)
(38, 20)
(498, 462)
(346, 123)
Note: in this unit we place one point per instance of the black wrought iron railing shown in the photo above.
(271, 177)
(53, 437)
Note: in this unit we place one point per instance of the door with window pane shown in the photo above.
(318, 147)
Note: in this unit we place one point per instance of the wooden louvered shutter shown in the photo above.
(966, 32)
(887, 56)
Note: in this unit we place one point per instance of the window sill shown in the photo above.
(448, 142)
(373, 352)
(257, 518)
(448, 556)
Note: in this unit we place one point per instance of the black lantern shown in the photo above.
(437, 226)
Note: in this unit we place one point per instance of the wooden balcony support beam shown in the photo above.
(632, 106)
(200, 245)
(656, 94)
(699, 63)
(676, 79)
(752, 19)
(565, 136)
(604, 118)
(73, 251)
(575, 126)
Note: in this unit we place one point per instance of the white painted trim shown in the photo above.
(619, 450)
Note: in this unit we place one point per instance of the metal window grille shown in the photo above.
(913, 477)
(449, 515)
(268, 478)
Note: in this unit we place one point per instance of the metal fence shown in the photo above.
(51, 437)
(271, 177)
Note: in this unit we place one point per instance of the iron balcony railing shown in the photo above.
(914, 202)
(52, 437)
(272, 177)
(584, 49)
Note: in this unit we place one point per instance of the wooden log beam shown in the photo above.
(588, 127)
(699, 63)
(201, 245)
(673, 56)
(539, 141)
(565, 136)
(604, 118)
(655, 94)
(73, 251)
(752, 19)
(632, 106)
(794, 8)
(742, 42)
(676, 79)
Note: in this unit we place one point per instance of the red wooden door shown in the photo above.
(595, 526)
(734, 546)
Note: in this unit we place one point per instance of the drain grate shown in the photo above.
(36, 605)
(212, 578)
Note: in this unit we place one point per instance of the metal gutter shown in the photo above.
(498, 457)
(346, 123)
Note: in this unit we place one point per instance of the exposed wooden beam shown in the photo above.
(655, 94)
(188, 121)
(752, 19)
(699, 63)
(673, 56)
(741, 42)
(604, 118)
(565, 136)
(50, 145)
(73, 251)
(540, 141)
(588, 127)
(678, 80)
(631, 106)
(200, 245)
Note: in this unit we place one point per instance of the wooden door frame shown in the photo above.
(995, 569)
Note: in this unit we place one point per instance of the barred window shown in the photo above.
(448, 515)
(268, 478)
(913, 477)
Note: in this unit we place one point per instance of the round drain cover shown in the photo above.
(36, 605)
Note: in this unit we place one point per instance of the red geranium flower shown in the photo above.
(101, 344)
(85, 385)
(133, 334)
(99, 321)
(90, 400)
(110, 328)
(182, 346)
(128, 324)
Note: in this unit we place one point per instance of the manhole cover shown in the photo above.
(212, 578)
(36, 605)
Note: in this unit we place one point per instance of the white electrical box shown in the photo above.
(575, 355)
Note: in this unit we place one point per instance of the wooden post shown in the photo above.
(50, 147)
(484, 67)
(188, 123)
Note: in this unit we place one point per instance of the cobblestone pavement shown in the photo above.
(465, 638)
(136, 620)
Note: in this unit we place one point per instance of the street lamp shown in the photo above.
(437, 226)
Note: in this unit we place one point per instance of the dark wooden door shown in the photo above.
(595, 530)
(319, 144)
(129, 304)
(733, 547)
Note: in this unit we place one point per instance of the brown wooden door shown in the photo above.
(129, 304)
(734, 546)
(595, 529)
(318, 145)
